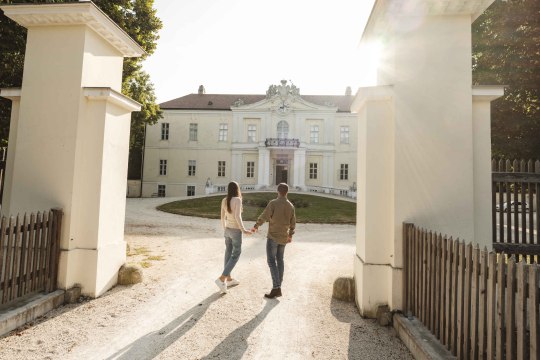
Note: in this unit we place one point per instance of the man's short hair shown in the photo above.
(283, 189)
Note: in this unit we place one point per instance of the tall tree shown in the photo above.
(506, 51)
(138, 19)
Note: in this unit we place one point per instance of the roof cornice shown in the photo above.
(81, 13)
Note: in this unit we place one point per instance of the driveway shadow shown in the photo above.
(235, 344)
(152, 344)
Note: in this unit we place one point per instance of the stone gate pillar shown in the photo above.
(71, 135)
(424, 143)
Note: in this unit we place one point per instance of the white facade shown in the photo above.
(204, 141)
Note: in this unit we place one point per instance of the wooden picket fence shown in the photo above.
(516, 228)
(479, 305)
(29, 254)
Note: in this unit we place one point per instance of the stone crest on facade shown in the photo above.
(283, 95)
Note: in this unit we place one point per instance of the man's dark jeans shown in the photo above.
(274, 256)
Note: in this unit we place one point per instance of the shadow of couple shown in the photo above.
(232, 347)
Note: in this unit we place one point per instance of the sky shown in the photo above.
(243, 46)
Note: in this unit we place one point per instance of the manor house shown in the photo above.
(204, 141)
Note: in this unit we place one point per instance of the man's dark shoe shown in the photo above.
(273, 293)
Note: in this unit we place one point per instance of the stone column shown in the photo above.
(263, 171)
(72, 139)
(299, 168)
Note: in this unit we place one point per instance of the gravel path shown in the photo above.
(177, 313)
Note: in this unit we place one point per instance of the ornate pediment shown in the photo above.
(282, 99)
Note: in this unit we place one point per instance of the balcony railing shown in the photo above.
(282, 142)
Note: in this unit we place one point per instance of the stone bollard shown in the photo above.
(384, 315)
(72, 295)
(130, 274)
(344, 289)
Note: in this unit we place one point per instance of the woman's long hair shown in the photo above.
(233, 190)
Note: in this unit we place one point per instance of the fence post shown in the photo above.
(55, 248)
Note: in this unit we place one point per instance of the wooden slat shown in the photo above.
(531, 207)
(510, 309)
(454, 316)
(521, 309)
(448, 286)
(501, 213)
(431, 274)
(16, 260)
(424, 278)
(418, 273)
(37, 245)
(534, 319)
(24, 258)
(508, 212)
(55, 250)
(3, 237)
(524, 213)
(460, 297)
(474, 302)
(515, 208)
(440, 288)
(31, 248)
(42, 252)
(482, 304)
(499, 322)
(467, 301)
(47, 266)
(522, 249)
(491, 305)
(8, 268)
(515, 177)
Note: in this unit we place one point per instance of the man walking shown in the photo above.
(282, 222)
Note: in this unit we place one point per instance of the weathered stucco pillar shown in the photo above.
(69, 138)
(423, 155)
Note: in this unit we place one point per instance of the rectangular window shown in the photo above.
(161, 190)
(344, 172)
(250, 169)
(192, 167)
(252, 133)
(313, 170)
(221, 168)
(221, 188)
(164, 131)
(192, 132)
(162, 167)
(344, 135)
(314, 134)
(191, 190)
(223, 129)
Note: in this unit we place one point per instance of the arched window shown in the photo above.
(282, 130)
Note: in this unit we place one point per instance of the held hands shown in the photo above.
(289, 238)
(254, 230)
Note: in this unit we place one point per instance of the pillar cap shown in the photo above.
(385, 12)
(108, 94)
(11, 93)
(487, 92)
(81, 13)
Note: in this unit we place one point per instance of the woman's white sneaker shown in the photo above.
(221, 285)
(232, 283)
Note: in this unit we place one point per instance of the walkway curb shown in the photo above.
(420, 342)
(31, 309)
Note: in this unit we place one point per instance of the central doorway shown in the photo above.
(281, 173)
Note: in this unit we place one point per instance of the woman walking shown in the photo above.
(231, 220)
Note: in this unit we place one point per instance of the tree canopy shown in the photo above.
(136, 17)
(506, 51)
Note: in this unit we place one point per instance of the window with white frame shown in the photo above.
(191, 190)
(193, 132)
(252, 133)
(344, 172)
(313, 170)
(164, 131)
(162, 167)
(161, 190)
(223, 129)
(192, 167)
(221, 168)
(344, 135)
(282, 130)
(250, 169)
(314, 134)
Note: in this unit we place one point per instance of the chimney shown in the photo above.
(202, 91)
(348, 91)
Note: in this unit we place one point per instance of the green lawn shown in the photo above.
(309, 208)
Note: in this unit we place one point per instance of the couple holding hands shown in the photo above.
(282, 221)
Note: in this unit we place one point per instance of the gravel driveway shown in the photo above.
(177, 313)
